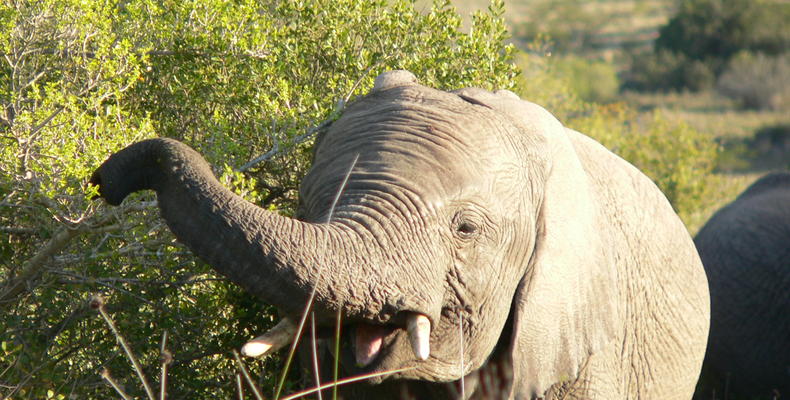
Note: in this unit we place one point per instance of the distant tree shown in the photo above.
(695, 47)
(718, 29)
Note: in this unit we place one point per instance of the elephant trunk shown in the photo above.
(275, 258)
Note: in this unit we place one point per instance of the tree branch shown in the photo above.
(13, 287)
(16, 285)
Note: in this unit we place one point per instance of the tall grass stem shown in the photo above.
(461, 354)
(335, 368)
(315, 355)
(247, 376)
(239, 386)
(309, 304)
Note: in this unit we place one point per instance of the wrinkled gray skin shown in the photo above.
(745, 248)
(565, 266)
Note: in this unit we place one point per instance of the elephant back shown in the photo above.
(775, 181)
(745, 249)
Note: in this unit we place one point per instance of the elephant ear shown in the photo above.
(565, 308)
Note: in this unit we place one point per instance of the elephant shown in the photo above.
(475, 247)
(745, 250)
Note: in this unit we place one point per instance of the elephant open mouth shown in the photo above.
(365, 342)
(368, 341)
(469, 198)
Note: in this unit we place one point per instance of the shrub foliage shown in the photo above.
(81, 79)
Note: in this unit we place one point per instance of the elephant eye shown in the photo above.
(467, 224)
(467, 229)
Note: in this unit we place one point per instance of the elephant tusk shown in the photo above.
(419, 328)
(271, 341)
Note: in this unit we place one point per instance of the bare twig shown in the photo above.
(44, 123)
(105, 373)
(14, 230)
(339, 107)
(276, 150)
(97, 303)
(12, 288)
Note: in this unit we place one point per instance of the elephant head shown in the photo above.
(469, 235)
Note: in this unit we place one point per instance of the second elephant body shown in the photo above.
(745, 248)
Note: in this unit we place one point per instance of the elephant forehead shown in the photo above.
(433, 141)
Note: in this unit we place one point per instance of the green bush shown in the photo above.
(667, 71)
(592, 80)
(570, 24)
(540, 84)
(758, 81)
(81, 79)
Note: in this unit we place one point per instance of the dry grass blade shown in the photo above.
(315, 354)
(343, 382)
(239, 387)
(461, 353)
(247, 376)
(294, 344)
(309, 304)
(341, 188)
(97, 303)
(336, 367)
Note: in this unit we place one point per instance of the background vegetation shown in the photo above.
(247, 84)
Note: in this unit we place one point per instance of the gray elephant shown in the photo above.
(745, 248)
(477, 240)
